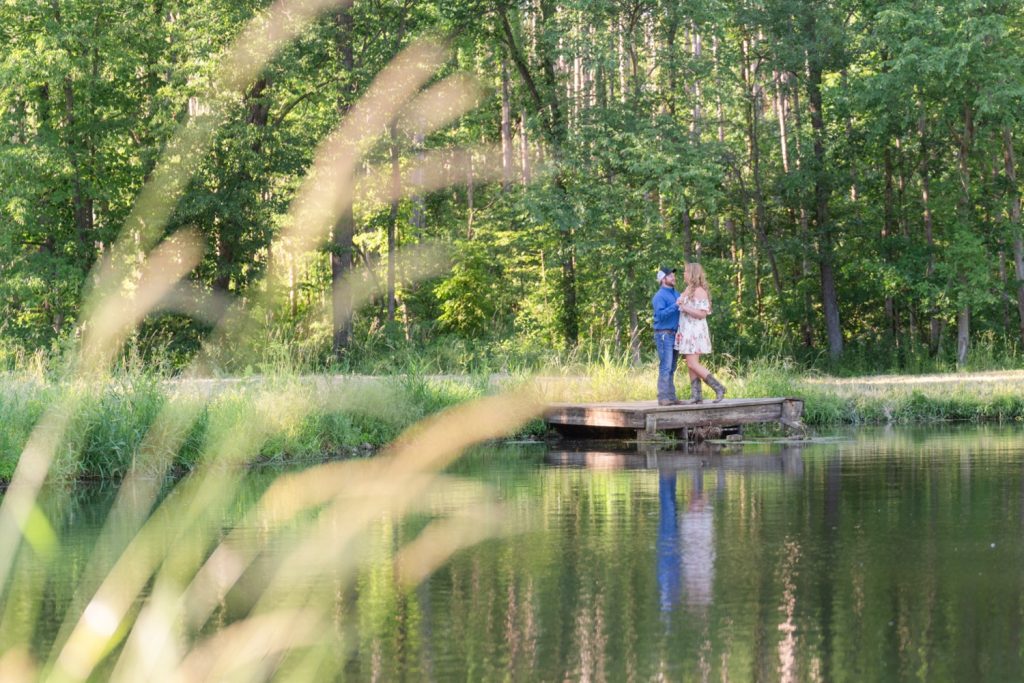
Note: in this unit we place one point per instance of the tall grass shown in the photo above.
(349, 417)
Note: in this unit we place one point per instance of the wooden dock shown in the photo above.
(645, 419)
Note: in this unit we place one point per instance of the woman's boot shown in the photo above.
(717, 386)
(695, 391)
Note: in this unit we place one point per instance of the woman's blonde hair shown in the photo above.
(694, 277)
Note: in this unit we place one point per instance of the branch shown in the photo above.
(517, 58)
(294, 103)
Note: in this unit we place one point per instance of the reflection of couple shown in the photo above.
(686, 544)
(680, 328)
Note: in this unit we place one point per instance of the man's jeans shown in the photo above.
(667, 358)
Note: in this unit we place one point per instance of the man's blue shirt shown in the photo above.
(666, 313)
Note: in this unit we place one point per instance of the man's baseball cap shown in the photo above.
(664, 271)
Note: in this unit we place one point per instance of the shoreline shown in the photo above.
(313, 417)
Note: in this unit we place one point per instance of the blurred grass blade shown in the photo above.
(436, 544)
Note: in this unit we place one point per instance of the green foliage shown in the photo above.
(653, 131)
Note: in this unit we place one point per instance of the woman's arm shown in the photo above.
(702, 294)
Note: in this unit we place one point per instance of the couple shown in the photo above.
(680, 328)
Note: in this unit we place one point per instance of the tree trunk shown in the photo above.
(671, 29)
(20, 111)
(963, 336)
(963, 318)
(718, 98)
(844, 81)
(1004, 297)
(687, 234)
(621, 58)
(736, 256)
(469, 198)
(83, 206)
(566, 232)
(695, 124)
(225, 257)
(887, 233)
(780, 114)
(1015, 226)
(935, 325)
(822, 191)
(1018, 263)
(524, 149)
(506, 129)
(228, 255)
(805, 232)
(759, 217)
(344, 229)
(418, 219)
(615, 316)
(556, 133)
(396, 187)
(634, 335)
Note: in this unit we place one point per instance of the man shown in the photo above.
(666, 322)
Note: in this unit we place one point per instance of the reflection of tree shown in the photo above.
(826, 580)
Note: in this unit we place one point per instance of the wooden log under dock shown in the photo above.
(645, 419)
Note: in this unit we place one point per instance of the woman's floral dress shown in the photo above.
(693, 335)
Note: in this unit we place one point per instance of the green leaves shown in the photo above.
(645, 124)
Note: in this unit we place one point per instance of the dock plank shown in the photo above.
(647, 417)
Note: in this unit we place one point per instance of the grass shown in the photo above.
(893, 399)
(352, 416)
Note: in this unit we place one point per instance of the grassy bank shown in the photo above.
(896, 399)
(883, 399)
(301, 418)
(338, 416)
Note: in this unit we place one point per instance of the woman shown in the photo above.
(693, 338)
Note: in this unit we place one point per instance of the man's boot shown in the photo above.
(695, 391)
(717, 386)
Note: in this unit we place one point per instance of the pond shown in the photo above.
(873, 554)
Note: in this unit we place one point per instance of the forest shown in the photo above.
(845, 170)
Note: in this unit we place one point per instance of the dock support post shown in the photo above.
(650, 430)
(792, 411)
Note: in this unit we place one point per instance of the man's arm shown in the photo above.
(662, 304)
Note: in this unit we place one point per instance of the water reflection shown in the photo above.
(669, 570)
(880, 556)
(685, 556)
(686, 544)
(785, 458)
